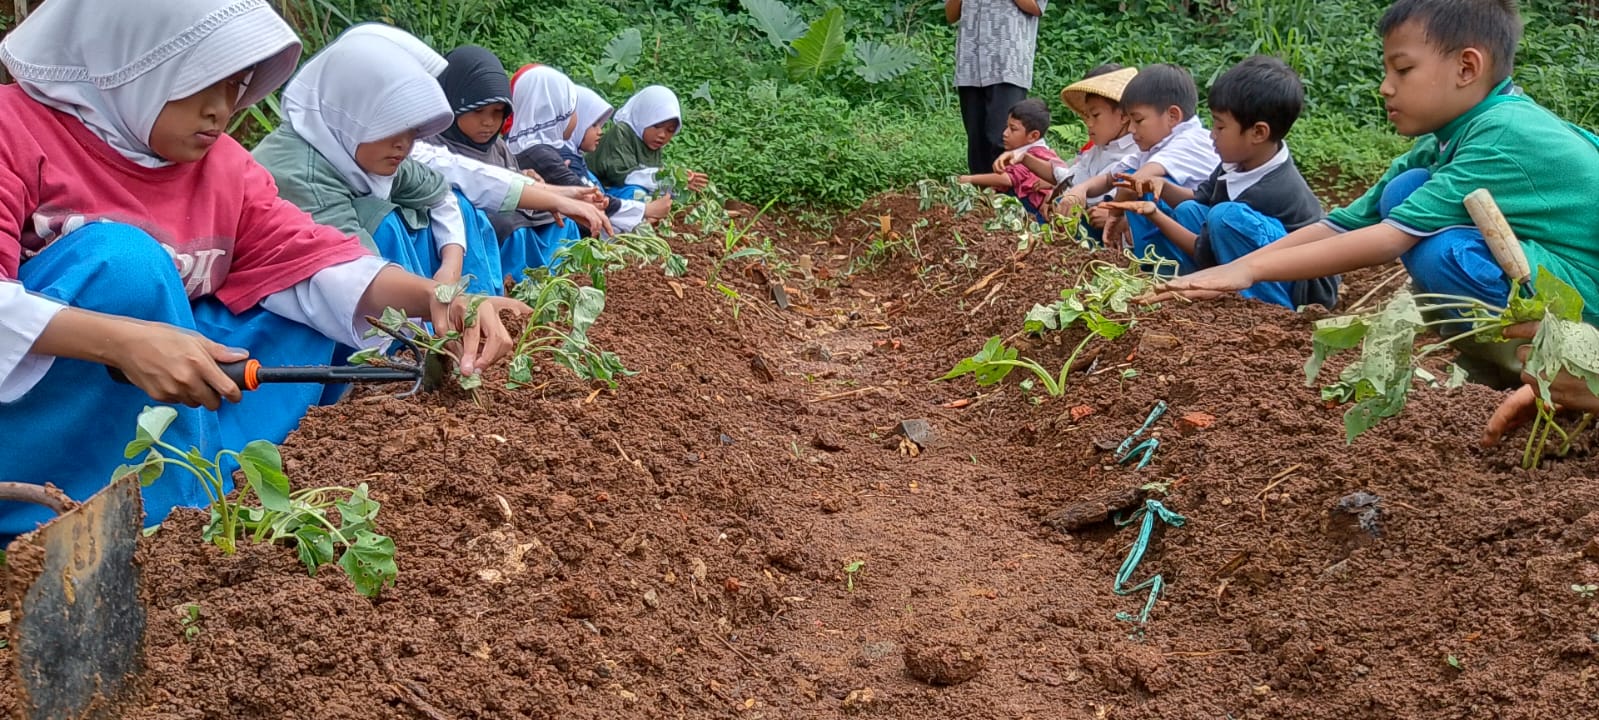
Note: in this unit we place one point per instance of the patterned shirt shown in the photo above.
(995, 44)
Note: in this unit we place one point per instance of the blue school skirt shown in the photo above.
(528, 248)
(414, 250)
(70, 428)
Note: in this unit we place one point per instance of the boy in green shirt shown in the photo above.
(1447, 83)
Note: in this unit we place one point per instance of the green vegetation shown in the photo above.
(828, 101)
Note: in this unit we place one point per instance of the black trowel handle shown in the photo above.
(251, 374)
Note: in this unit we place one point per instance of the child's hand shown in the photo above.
(484, 341)
(1007, 159)
(534, 175)
(658, 208)
(588, 216)
(1140, 207)
(1207, 284)
(1567, 392)
(1098, 215)
(698, 181)
(1141, 186)
(1069, 199)
(174, 365)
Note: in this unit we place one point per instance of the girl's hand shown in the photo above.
(173, 365)
(1097, 216)
(698, 181)
(588, 216)
(1117, 236)
(485, 340)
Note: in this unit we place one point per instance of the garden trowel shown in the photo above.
(72, 586)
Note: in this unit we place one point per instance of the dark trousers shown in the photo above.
(984, 110)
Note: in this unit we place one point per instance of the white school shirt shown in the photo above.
(1098, 160)
(1237, 182)
(489, 187)
(1187, 153)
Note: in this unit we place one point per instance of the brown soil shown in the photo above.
(676, 548)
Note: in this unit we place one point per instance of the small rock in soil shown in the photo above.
(827, 440)
(1154, 343)
(1366, 508)
(725, 438)
(1040, 676)
(1591, 550)
(1193, 422)
(762, 369)
(942, 663)
(878, 650)
(816, 352)
(1095, 509)
(917, 431)
(1337, 571)
(859, 700)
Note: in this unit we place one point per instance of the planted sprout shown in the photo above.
(850, 571)
(1101, 301)
(283, 515)
(1379, 383)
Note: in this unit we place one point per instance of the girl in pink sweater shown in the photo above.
(135, 234)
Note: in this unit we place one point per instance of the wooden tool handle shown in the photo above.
(1496, 232)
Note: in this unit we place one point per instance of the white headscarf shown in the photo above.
(430, 59)
(591, 110)
(543, 100)
(651, 106)
(114, 64)
(358, 90)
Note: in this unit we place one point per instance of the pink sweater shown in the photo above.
(229, 233)
(1028, 186)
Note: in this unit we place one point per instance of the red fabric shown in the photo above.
(506, 128)
(1028, 186)
(229, 233)
(1086, 147)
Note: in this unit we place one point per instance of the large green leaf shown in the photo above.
(881, 62)
(263, 467)
(1331, 336)
(780, 23)
(820, 49)
(314, 546)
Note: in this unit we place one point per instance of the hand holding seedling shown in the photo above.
(1567, 392)
(1141, 186)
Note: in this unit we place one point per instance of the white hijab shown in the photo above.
(430, 59)
(543, 101)
(357, 90)
(114, 64)
(592, 109)
(651, 106)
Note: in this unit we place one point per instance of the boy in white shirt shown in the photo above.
(1160, 105)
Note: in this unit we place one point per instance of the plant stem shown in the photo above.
(1581, 426)
(1067, 368)
(1441, 344)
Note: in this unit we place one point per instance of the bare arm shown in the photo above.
(1042, 167)
(1030, 7)
(952, 11)
(1308, 259)
(990, 180)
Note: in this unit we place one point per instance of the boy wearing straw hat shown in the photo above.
(1097, 101)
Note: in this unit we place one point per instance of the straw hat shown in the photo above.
(1108, 86)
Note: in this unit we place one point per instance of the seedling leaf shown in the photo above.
(152, 422)
(369, 562)
(314, 545)
(263, 468)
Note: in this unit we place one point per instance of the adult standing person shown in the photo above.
(993, 69)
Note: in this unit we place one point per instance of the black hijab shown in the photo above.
(475, 78)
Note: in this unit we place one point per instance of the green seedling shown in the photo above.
(1454, 662)
(283, 515)
(190, 620)
(733, 298)
(1379, 383)
(432, 349)
(1585, 592)
(857, 567)
(596, 257)
(1101, 302)
(563, 313)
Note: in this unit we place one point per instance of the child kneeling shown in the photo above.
(1255, 197)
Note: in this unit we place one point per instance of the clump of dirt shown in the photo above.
(678, 547)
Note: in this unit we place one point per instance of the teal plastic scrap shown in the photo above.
(1149, 514)
(1145, 450)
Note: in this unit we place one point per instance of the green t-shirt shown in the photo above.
(1542, 171)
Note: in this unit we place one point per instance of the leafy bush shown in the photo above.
(882, 72)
